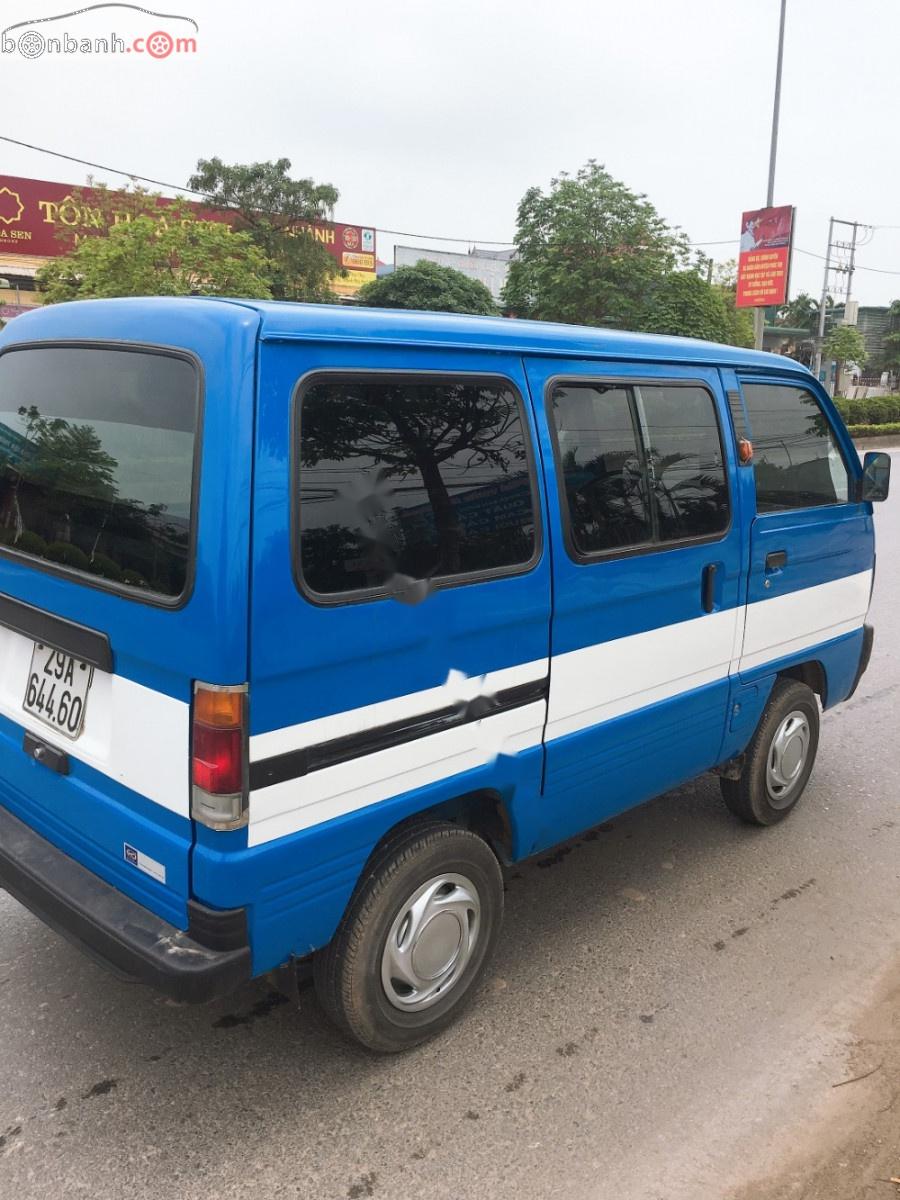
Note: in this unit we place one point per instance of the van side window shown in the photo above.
(601, 463)
(684, 461)
(408, 476)
(796, 460)
(641, 465)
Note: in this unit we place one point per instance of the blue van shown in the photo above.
(313, 619)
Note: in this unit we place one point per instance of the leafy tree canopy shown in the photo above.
(891, 359)
(846, 344)
(800, 313)
(589, 251)
(171, 255)
(430, 287)
(685, 304)
(275, 210)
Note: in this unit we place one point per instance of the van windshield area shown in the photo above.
(97, 462)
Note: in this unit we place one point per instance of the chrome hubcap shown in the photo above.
(787, 758)
(430, 942)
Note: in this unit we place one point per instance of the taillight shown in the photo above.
(219, 755)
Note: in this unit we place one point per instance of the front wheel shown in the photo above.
(779, 760)
(416, 938)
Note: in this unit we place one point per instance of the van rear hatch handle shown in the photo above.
(45, 754)
(87, 645)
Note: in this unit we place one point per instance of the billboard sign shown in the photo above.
(36, 216)
(764, 262)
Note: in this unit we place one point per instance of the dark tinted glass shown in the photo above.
(408, 480)
(96, 462)
(796, 461)
(684, 462)
(605, 484)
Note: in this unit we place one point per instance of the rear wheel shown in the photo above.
(779, 759)
(415, 939)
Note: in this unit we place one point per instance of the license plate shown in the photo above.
(57, 689)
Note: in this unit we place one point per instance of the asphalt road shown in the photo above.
(672, 1002)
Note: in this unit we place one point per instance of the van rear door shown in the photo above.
(121, 580)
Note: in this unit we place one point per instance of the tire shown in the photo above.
(791, 717)
(393, 976)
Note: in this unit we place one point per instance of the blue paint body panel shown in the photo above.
(92, 818)
(246, 619)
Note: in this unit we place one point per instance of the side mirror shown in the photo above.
(876, 478)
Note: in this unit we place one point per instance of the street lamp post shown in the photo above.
(759, 314)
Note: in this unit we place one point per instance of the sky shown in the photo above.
(434, 118)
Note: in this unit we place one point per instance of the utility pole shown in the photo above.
(820, 333)
(759, 314)
(851, 266)
(837, 268)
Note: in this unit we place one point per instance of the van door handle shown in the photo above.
(709, 587)
(776, 560)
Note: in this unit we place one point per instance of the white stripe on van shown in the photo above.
(458, 688)
(786, 624)
(587, 686)
(133, 734)
(334, 791)
(608, 680)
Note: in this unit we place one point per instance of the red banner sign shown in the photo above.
(765, 257)
(41, 218)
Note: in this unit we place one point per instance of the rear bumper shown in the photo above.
(123, 935)
(864, 657)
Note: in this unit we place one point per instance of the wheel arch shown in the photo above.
(812, 673)
(482, 812)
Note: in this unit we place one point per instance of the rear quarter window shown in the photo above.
(97, 450)
(797, 462)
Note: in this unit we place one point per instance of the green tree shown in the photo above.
(800, 313)
(589, 251)
(429, 287)
(685, 304)
(170, 255)
(891, 358)
(845, 344)
(276, 211)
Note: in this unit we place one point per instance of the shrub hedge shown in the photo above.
(859, 431)
(877, 410)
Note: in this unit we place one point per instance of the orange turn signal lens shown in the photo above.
(745, 451)
(219, 710)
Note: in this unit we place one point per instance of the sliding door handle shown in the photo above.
(776, 560)
(708, 589)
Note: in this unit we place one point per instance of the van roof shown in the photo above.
(286, 320)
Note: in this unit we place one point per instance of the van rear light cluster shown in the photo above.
(219, 755)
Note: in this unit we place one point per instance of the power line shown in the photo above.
(177, 187)
(857, 266)
(433, 237)
(100, 167)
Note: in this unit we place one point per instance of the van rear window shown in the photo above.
(97, 462)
